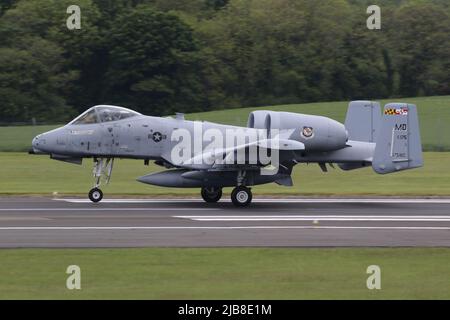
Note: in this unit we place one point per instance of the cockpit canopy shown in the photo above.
(104, 113)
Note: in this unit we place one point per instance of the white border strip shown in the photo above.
(319, 218)
(222, 228)
(271, 200)
(95, 208)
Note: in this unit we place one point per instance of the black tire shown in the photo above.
(211, 196)
(241, 196)
(95, 195)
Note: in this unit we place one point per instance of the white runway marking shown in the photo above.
(110, 209)
(264, 200)
(130, 200)
(318, 218)
(223, 228)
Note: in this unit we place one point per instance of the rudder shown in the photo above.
(398, 144)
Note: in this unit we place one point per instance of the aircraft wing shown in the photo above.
(226, 157)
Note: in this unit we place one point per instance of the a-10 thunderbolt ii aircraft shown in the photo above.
(211, 156)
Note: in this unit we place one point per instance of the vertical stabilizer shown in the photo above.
(363, 120)
(398, 146)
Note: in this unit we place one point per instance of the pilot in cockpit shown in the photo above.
(104, 114)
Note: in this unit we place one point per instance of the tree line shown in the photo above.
(163, 56)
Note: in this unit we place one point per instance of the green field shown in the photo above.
(19, 138)
(31, 174)
(434, 116)
(406, 273)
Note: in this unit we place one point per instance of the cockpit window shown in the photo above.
(108, 113)
(89, 117)
(104, 113)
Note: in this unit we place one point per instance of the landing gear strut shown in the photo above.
(241, 196)
(102, 168)
(211, 194)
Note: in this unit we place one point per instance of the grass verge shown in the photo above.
(157, 273)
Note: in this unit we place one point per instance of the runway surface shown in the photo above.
(43, 222)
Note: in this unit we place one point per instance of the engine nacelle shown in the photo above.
(257, 119)
(317, 133)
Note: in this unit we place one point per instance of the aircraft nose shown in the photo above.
(50, 142)
(35, 144)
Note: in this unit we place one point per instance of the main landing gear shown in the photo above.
(211, 194)
(102, 168)
(241, 196)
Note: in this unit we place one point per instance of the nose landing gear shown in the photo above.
(95, 195)
(102, 168)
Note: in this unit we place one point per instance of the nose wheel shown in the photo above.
(241, 196)
(102, 168)
(95, 195)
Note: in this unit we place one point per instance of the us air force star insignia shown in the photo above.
(307, 132)
(157, 137)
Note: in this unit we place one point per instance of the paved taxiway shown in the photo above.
(43, 222)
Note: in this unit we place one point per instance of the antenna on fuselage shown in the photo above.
(179, 116)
